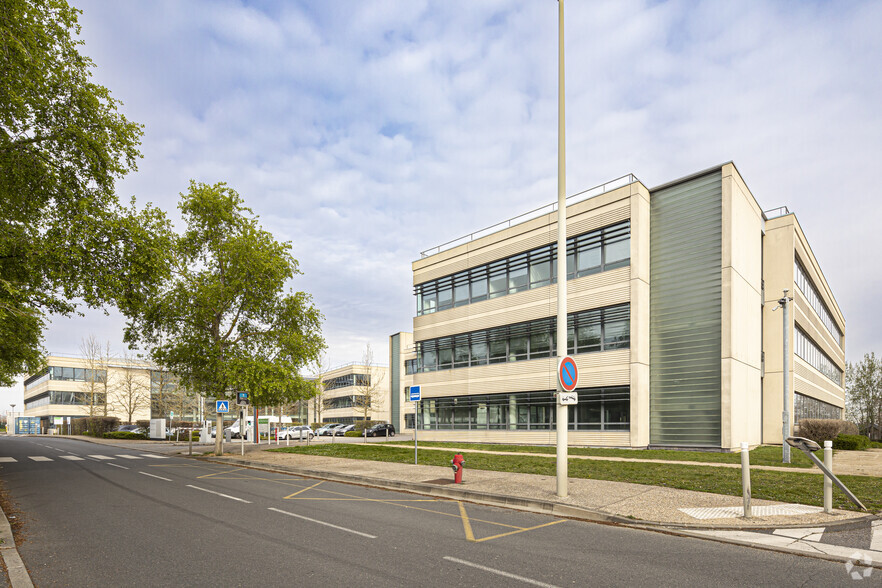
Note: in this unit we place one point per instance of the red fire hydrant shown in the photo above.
(458, 462)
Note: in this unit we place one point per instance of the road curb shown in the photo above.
(15, 568)
(515, 502)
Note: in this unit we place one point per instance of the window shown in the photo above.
(599, 329)
(806, 407)
(347, 380)
(805, 348)
(599, 409)
(596, 251)
(804, 283)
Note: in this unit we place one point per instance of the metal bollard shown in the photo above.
(828, 483)
(745, 478)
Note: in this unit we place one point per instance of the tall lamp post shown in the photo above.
(562, 412)
(785, 376)
(10, 431)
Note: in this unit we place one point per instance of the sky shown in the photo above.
(365, 132)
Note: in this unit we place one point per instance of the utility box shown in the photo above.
(157, 429)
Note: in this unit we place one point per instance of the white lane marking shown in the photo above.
(291, 514)
(39, 458)
(8, 460)
(154, 456)
(500, 572)
(806, 534)
(118, 466)
(219, 494)
(124, 456)
(876, 537)
(155, 476)
(71, 457)
(101, 457)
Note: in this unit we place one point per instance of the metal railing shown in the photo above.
(547, 209)
(776, 212)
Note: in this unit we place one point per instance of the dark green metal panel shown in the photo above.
(395, 380)
(686, 312)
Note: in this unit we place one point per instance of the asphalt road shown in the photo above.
(92, 516)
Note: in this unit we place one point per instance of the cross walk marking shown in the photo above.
(124, 456)
(8, 460)
(71, 457)
(100, 457)
(154, 456)
(39, 458)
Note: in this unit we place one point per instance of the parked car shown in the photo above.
(131, 429)
(380, 430)
(341, 431)
(297, 432)
(328, 429)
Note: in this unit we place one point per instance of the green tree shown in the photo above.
(225, 320)
(64, 236)
(863, 384)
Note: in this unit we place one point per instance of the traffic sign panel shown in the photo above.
(568, 374)
(567, 398)
(222, 406)
(242, 398)
(415, 393)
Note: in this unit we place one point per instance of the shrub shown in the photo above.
(315, 426)
(144, 425)
(820, 430)
(352, 434)
(94, 426)
(124, 435)
(851, 442)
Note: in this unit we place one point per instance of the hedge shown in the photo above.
(820, 430)
(125, 435)
(851, 442)
(94, 426)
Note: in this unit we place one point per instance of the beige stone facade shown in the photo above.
(344, 388)
(75, 387)
(749, 259)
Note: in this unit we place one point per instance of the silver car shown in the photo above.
(297, 432)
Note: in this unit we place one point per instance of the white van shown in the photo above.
(264, 423)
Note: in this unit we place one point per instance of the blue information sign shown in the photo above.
(414, 393)
(222, 406)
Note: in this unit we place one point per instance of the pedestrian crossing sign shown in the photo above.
(223, 406)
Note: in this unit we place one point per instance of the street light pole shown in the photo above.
(11, 431)
(785, 376)
(561, 420)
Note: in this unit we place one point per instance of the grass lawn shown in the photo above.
(764, 455)
(782, 486)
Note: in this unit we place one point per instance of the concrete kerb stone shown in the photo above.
(15, 568)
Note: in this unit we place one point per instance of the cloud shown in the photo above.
(366, 132)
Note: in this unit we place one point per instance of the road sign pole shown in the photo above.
(416, 416)
(243, 421)
(562, 411)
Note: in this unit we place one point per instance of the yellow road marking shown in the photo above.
(518, 531)
(466, 525)
(304, 490)
(466, 521)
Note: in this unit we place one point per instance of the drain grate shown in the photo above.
(731, 512)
